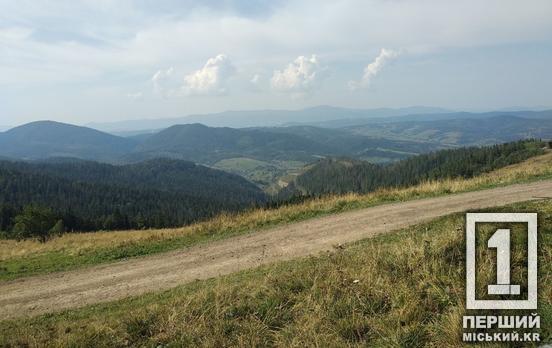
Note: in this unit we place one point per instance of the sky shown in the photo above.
(101, 60)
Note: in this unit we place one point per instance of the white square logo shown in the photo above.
(500, 240)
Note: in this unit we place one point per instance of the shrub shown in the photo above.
(36, 221)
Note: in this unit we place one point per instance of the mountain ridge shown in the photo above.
(41, 139)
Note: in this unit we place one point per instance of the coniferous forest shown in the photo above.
(342, 175)
(89, 196)
(40, 198)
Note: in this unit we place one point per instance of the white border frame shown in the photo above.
(531, 220)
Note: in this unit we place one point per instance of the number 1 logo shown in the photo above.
(500, 241)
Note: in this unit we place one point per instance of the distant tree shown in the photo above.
(34, 221)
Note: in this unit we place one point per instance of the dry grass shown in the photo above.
(409, 293)
(75, 244)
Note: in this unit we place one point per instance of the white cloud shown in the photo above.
(299, 76)
(162, 82)
(211, 79)
(372, 69)
(89, 47)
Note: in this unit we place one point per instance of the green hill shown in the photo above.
(92, 196)
(204, 144)
(44, 139)
(338, 176)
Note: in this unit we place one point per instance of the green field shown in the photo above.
(265, 174)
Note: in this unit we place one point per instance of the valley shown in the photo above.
(219, 215)
(72, 251)
(275, 174)
(272, 154)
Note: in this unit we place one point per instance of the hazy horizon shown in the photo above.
(93, 124)
(91, 62)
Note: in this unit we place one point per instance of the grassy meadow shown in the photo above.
(403, 289)
(74, 250)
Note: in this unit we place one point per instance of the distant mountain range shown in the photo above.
(421, 117)
(198, 143)
(320, 116)
(265, 155)
(263, 118)
(467, 131)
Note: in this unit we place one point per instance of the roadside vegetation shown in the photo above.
(400, 289)
(74, 250)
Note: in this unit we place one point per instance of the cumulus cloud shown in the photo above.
(211, 79)
(373, 69)
(299, 76)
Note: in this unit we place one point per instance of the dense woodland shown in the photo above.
(89, 196)
(40, 198)
(337, 176)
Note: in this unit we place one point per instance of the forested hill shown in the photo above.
(337, 176)
(160, 174)
(208, 145)
(44, 139)
(204, 144)
(92, 196)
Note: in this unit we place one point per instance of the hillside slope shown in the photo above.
(44, 139)
(93, 196)
(77, 250)
(160, 174)
(338, 176)
(209, 145)
(399, 289)
(163, 271)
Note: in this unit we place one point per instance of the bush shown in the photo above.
(37, 222)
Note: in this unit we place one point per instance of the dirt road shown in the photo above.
(54, 292)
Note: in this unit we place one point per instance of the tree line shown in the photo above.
(341, 175)
(89, 196)
(43, 198)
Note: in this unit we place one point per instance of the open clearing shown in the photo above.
(57, 291)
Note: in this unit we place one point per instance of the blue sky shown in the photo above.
(100, 60)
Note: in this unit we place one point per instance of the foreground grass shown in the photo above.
(400, 289)
(74, 250)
